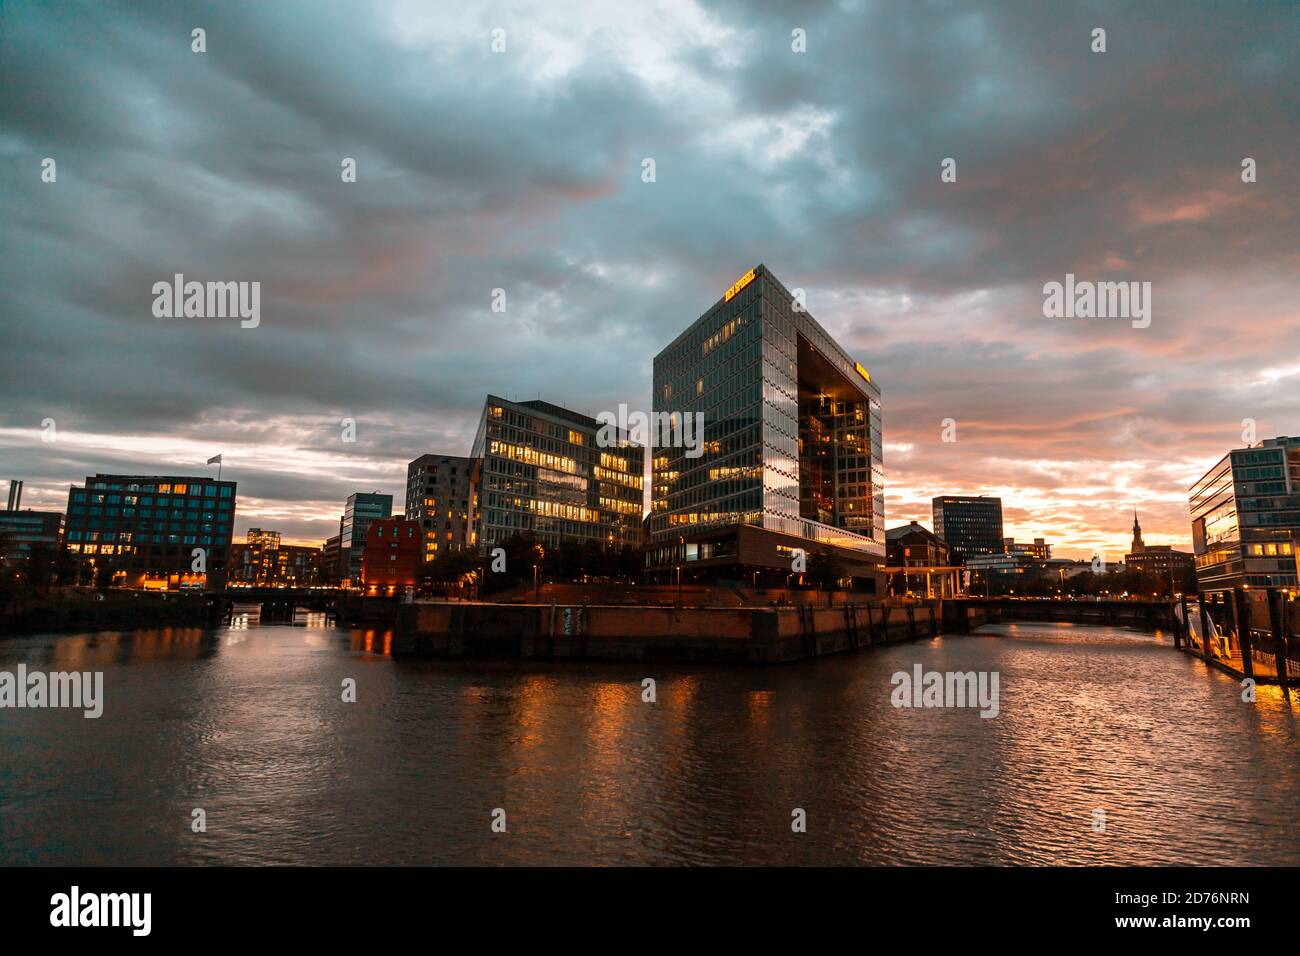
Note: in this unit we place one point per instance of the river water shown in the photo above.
(1108, 748)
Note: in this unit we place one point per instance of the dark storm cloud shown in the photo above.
(521, 171)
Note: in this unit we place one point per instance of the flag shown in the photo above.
(214, 460)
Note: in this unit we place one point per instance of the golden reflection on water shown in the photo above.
(1090, 718)
(93, 651)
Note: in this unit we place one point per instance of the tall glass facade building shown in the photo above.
(791, 442)
(1245, 515)
(361, 509)
(969, 526)
(544, 474)
(145, 528)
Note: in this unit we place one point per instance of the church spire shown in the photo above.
(1137, 534)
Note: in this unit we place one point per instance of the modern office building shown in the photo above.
(1245, 515)
(393, 555)
(361, 509)
(970, 526)
(145, 529)
(791, 449)
(544, 473)
(20, 531)
(442, 495)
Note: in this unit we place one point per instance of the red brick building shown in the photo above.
(393, 556)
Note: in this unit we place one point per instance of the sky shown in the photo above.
(522, 170)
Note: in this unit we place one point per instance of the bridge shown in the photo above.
(962, 614)
(277, 604)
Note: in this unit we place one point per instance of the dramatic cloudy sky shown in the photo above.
(522, 170)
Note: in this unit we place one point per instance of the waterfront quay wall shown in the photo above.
(689, 634)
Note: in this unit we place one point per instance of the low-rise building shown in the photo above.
(393, 556)
(21, 531)
(916, 546)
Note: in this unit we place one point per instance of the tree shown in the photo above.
(39, 565)
(826, 570)
(103, 573)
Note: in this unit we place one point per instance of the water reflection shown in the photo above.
(249, 723)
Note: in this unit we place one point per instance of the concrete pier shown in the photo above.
(694, 634)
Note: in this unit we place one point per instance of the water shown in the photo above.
(248, 724)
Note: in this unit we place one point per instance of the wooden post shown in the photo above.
(1243, 631)
(1281, 649)
(1284, 625)
(1186, 625)
(1207, 623)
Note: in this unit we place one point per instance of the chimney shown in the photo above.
(15, 494)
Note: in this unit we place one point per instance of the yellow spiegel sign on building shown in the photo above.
(739, 284)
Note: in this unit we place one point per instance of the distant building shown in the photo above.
(915, 546)
(1246, 518)
(969, 526)
(20, 531)
(442, 495)
(1062, 569)
(1169, 566)
(145, 529)
(1016, 563)
(393, 555)
(1040, 550)
(543, 474)
(331, 557)
(361, 509)
(254, 562)
(262, 560)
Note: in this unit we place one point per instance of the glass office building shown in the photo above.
(791, 443)
(1245, 515)
(144, 529)
(544, 474)
(361, 509)
(969, 526)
